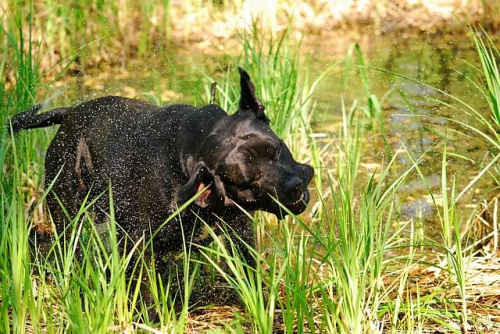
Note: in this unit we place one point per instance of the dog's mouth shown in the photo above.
(250, 199)
(300, 204)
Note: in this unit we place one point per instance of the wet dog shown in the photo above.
(157, 158)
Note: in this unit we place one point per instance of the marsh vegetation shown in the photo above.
(402, 233)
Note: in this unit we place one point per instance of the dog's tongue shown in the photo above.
(202, 199)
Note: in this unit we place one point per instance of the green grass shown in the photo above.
(17, 288)
(349, 265)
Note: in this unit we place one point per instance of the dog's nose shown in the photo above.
(305, 173)
(294, 184)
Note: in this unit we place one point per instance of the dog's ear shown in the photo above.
(248, 100)
(205, 185)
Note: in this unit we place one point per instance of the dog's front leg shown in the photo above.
(143, 257)
(242, 238)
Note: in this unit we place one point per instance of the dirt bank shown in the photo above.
(114, 32)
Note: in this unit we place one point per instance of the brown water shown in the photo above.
(408, 106)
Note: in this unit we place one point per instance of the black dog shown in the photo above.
(157, 158)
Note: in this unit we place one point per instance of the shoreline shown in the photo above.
(119, 31)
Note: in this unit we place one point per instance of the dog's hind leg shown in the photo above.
(84, 169)
(86, 188)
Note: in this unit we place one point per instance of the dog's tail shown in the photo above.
(30, 120)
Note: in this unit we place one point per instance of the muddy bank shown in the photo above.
(113, 33)
(319, 16)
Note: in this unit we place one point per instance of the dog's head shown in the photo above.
(243, 162)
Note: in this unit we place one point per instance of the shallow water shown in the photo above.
(409, 106)
(414, 121)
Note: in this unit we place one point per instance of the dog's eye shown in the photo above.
(270, 151)
(273, 151)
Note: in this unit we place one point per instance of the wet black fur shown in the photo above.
(157, 158)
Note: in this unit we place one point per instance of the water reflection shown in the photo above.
(416, 114)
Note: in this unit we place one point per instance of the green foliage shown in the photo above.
(489, 85)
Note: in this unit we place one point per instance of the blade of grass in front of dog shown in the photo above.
(116, 292)
(96, 288)
(17, 272)
(190, 272)
(164, 305)
(295, 286)
(93, 285)
(247, 282)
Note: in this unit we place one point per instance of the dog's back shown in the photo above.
(111, 139)
(99, 111)
(126, 141)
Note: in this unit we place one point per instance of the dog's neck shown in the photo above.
(193, 131)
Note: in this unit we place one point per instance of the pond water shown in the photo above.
(440, 61)
(414, 120)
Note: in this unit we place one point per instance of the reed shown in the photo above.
(488, 84)
(18, 289)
